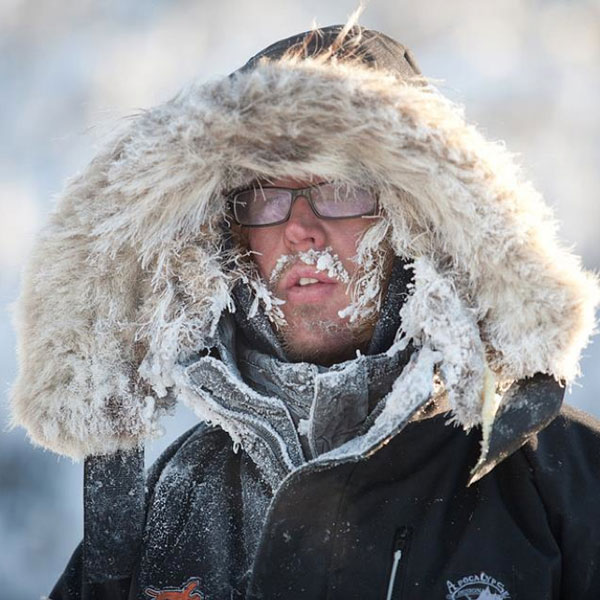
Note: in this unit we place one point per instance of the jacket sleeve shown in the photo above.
(566, 470)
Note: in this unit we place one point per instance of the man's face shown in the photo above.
(314, 331)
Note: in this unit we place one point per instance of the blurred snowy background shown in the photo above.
(528, 72)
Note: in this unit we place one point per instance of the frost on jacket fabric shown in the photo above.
(529, 529)
(129, 293)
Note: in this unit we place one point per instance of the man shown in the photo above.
(328, 265)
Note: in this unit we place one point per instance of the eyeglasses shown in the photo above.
(263, 205)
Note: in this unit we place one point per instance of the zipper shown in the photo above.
(401, 539)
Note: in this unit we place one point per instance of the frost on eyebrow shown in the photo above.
(324, 260)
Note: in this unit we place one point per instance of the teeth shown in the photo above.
(307, 280)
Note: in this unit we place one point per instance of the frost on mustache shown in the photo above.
(323, 260)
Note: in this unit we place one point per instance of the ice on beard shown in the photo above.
(323, 260)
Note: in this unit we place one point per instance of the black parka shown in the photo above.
(398, 524)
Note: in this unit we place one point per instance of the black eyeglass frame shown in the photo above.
(295, 192)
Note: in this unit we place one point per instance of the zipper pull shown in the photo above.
(400, 540)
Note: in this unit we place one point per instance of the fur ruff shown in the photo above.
(127, 279)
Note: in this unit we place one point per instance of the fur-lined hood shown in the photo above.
(128, 279)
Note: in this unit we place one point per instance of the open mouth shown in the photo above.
(305, 284)
(310, 290)
(305, 278)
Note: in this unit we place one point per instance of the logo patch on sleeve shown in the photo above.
(188, 591)
(477, 587)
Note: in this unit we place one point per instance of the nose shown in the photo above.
(304, 230)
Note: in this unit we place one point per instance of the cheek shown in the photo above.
(262, 241)
(347, 240)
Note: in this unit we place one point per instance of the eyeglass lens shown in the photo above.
(332, 201)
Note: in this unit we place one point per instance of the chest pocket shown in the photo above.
(397, 563)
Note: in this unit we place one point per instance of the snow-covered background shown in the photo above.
(528, 72)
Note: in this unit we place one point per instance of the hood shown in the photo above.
(131, 274)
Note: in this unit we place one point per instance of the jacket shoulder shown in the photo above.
(567, 449)
(564, 461)
(572, 435)
(186, 452)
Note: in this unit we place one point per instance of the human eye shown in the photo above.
(261, 206)
(344, 201)
(274, 203)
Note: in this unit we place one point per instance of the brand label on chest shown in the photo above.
(477, 587)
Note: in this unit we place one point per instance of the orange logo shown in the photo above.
(189, 591)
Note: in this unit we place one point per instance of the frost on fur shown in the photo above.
(436, 317)
(244, 270)
(271, 304)
(129, 276)
(189, 294)
(365, 288)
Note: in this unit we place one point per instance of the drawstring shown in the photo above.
(401, 541)
(113, 497)
(397, 557)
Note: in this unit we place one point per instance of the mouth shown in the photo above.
(306, 285)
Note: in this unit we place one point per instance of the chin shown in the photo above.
(324, 342)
